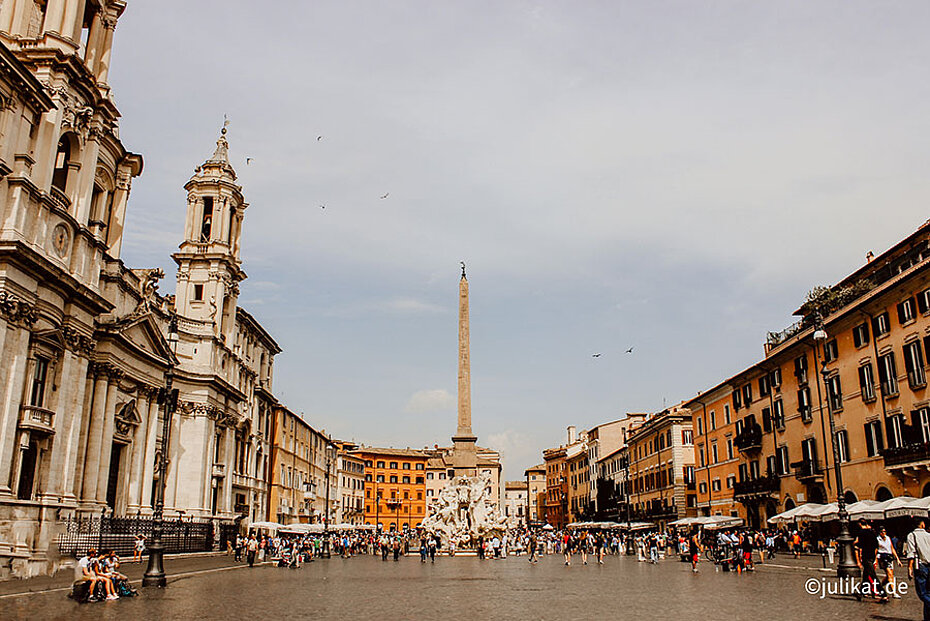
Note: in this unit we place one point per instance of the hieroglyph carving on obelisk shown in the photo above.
(464, 419)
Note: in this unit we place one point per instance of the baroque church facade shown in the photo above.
(84, 339)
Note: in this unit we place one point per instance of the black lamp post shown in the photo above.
(155, 571)
(330, 449)
(847, 566)
(629, 527)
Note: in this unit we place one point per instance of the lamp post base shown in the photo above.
(846, 567)
(154, 575)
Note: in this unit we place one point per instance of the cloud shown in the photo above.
(411, 306)
(398, 306)
(436, 400)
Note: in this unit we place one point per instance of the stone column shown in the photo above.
(6, 17)
(137, 466)
(106, 445)
(148, 469)
(74, 20)
(210, 431)
(80, 456)
(230, 459)
(15, 350)
(54, 15)
(95, 437)
(71, 382)
(106, 47)
(174, 463)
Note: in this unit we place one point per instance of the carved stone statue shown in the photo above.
(464, 512)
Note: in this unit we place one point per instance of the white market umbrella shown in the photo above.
(548, 527)
(872, 511)
(808, 511)
(785, 516)
(266, 525)
(913, 507)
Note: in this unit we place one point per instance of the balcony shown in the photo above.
(808, 471)
(38, 419)
(763, 486)
(907, 455)
(749, 439)
(219, 470)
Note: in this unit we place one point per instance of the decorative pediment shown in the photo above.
(143, 333)
(127, 419)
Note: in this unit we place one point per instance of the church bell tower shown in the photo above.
(209, 265)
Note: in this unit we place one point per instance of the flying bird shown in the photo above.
(595, 355)
(319, 138)
(322, 206)
(248, 161)
(385, 195)
(629, 351)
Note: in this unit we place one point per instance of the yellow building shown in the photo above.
(662, 467)
(297, 471)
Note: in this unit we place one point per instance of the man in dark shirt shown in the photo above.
(866, 549)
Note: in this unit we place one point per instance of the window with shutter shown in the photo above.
(804, 404)
(923, 301)
(881, 325)
(861, 335)
(869, 440)
(866, 382)
(914, 363)
(906, 311)
(888, 374)
(737, 400)
(766, 420)
(747, 394)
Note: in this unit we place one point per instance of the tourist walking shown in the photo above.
(532, 544)
(866, 559)
(251, 550)
(917, 551)
(887, 556)
(694, 549)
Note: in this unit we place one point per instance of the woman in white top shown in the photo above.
(887, 556)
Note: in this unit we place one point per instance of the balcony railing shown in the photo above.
(761, 486)
(750, 439)
(808, 471)
(907, 454)
(35, 418)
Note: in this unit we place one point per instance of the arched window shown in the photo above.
(882, 494)
(62, 157)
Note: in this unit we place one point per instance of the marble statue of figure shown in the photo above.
(464, 512)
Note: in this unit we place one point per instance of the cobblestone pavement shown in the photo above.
(365, 588)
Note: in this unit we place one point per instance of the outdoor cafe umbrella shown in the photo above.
(266, 525)
(914, 507)
(785, 516)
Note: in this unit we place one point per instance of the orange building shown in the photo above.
(555, 508)
(866, 369)
(395, 487)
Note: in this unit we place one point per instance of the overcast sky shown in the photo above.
(668, 176)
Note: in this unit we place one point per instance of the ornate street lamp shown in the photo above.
(330, 450)
(155, 571)
(847, 566)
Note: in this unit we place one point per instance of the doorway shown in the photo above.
(113, 480)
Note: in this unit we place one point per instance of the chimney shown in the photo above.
(571, 434)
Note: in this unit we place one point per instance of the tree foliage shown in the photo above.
(823, 301)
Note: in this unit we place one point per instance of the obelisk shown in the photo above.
(464, 453)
